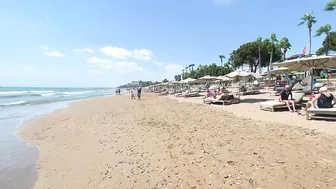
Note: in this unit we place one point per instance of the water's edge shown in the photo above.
(20, 178)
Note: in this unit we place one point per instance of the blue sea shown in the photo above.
(19, 104)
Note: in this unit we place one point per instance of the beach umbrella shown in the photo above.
(188, 80)
(257, 76)
(174, 82)
(208, 78)
(309, 64)
(306, 64)
(238, 73)
(277, 71)
(224, 78)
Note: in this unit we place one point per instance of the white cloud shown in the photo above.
(44, 47)
(123, 54)
(222, 2)
(158, 63)
(98, 60)
(97, 65)
(54, 53)
(84, 50)
(118, 53)
(142, 54)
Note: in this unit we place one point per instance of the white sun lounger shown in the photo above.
(321, 113)
(275, 104)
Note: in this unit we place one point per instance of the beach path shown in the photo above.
(157, 142)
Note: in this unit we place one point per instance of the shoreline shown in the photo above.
(15, 173)
(102, 127)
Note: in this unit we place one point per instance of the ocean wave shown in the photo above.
(13, 103)
(47, 94)
(5, 93)
(15, 94)
(42, 92)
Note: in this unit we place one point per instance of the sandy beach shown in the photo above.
(162, 142)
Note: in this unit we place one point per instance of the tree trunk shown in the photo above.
(221, 62)
(271, 60)
(310, 42)
(259, 60)
(284, 56)
(327, 45)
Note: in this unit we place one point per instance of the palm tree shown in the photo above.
(187, 69)
(285, 45)
(192, 67)
(259, 39)
(221, 59)
(330, 6)
(274, 40)
(324, 30)
(182, 74)
(309, 19)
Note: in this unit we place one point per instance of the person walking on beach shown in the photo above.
(132, 95)
(139, 93)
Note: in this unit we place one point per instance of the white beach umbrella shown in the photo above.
(238, 73)
(257, 76)
(208, 78)
(305, 64)
(174, 82)
(224, 78)
(188, 80)
(277, 71)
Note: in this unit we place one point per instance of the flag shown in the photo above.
(304, 51)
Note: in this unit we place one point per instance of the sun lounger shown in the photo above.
(230, 99)
(321, 113)
(276, 104)
(250, 92)
(191, 94)
(163, 93)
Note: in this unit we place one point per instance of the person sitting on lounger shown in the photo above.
(323, 100)
(209, 94)
(284, 97)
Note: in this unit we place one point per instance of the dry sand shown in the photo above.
(161, 143)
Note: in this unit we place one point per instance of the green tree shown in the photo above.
(330, 6)
(285, 45)
(165, 81)
(274, 41)
(248, 53)
(326, 29)
(221, 57)
(177, 77)
(309, 19)
(328, 44)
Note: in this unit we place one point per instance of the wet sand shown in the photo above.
(162, 143)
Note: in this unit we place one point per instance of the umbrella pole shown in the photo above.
(312, 80)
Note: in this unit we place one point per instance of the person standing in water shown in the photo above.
(139, 93)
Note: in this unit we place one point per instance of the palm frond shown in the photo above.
(301, 23)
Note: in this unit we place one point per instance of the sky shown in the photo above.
(106, 43)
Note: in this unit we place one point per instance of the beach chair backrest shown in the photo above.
(297, 97)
